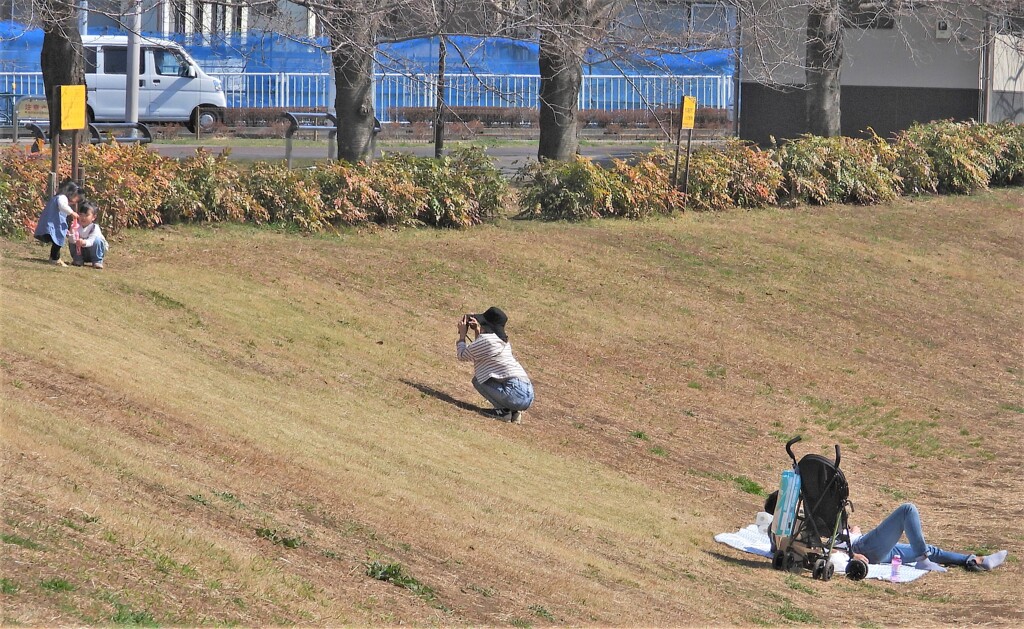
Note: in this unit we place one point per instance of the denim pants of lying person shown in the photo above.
(880, 545)
(514, 394)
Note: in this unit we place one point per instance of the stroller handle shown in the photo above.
(837, 455)
(789, 447)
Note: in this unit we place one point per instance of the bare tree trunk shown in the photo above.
(824, 57)
(353, 75)
(61, 59)
(561, 73)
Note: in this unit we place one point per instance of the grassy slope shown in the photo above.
(213, 382)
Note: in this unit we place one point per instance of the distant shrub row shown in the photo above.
(940, 157)
(706, 117)
(137, 188)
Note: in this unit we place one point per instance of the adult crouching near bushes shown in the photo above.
(497, 375)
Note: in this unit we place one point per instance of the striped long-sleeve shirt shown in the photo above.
(491, 358)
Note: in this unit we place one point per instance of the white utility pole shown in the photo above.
(131, 88)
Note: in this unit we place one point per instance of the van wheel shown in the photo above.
(205, 118)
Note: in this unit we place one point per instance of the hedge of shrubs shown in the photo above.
(136, 187)
(940, 157)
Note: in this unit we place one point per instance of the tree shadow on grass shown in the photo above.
(746, 563)
(444, 397)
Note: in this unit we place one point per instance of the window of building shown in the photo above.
(179, 17)
(115, 60)
(709, 18)
(218, 17)
(872, 19)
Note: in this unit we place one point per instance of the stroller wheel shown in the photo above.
(793, 563)
(828, 571)
(778, 560)
(856, 570)
(819, 569)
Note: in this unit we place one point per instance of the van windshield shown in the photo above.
(170, 62)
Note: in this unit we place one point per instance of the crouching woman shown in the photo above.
(497, 375)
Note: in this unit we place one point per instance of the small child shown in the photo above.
(88, 246)
(53, 222)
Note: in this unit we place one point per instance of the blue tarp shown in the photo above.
(271, 52)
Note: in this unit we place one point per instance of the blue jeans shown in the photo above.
(880, 544)
(514, 394)
(94, 253)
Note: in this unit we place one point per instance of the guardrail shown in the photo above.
(311, 121)
(139, 133)
(309, 90)
(294, 126)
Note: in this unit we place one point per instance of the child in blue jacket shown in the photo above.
(52, 227)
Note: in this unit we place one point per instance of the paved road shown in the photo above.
(508, 158)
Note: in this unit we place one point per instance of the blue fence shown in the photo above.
(293, 90)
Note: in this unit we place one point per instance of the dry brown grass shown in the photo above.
(216, 381)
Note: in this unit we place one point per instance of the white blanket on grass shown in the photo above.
(751, 540)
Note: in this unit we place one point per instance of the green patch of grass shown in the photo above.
(693, 384)
(485, 592)
(869, 420)
(394, 573)
(7, 586)
(1016, 408)
(639, 434)
(749, 486)
(791, 612)
(659, 451)
(579, 425)
(56, 585)
(794, 583)
(543, 613)
(199, 498)
(17, 540)
(521, 623)
(229, 498)
(71, 524)
(744, 483)
(715, 371)
(126, 616)
(274, 536)
(895, 493)
(163, 300)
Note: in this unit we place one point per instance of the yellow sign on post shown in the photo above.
(72, 107)
(689, 112)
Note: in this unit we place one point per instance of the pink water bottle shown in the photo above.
(895, 576)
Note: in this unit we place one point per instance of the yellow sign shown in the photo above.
(72, 107)
(689, 112)
(32, 108)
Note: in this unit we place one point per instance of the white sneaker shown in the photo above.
(516, 418)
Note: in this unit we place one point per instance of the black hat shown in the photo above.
(495, 321)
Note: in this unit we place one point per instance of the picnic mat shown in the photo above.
(751, 540)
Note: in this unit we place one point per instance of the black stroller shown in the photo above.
(819, 519)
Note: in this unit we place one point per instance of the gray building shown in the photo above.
(896, 70)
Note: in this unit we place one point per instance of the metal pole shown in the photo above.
(442, 56)
(686, 177)
(131, 88)
(54, 147)
(83, 17)
(679, 140)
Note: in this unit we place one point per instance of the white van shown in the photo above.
(172, 86)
